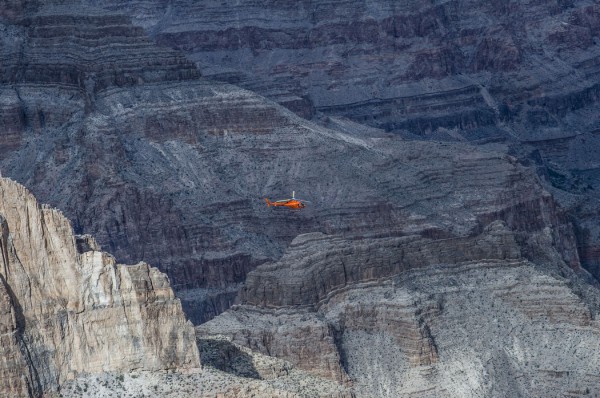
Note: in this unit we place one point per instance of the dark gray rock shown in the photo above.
(522, 73)
(165, 167)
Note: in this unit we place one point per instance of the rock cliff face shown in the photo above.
(526, 73)
(411, 316)
(414, 66)
(15, 372)
(66, 313)
(167, 168)
(421, 268)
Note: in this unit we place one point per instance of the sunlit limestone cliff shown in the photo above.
(68, 308)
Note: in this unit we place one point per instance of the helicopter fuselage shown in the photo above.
(289, 203)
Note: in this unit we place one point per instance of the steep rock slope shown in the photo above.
(460, 70)
(66, 312)
(15, 373)
(73, 323)
(168, 168)
(439, 269)
(229, 371)
(485, 316)
(395, 65)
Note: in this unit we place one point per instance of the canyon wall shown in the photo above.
(526, 74)
(67, 312)
(412, 316)
(448, 152)
(164, 166)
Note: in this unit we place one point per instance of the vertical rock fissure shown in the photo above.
(33, 383)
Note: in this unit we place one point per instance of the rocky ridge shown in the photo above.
(66, 313)
(425, 317)
(73, 323)
(456, 70)
(182, 163)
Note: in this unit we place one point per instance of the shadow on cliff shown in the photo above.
(33, 382)
(225, 356)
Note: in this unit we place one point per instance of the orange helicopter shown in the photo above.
(292, 203)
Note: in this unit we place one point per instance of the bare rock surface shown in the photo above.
(66, 312)
(74, 323)
(209, 383)
(482, 316)
(164, 167)
(420, 269)
(524, 73)
(16, 377)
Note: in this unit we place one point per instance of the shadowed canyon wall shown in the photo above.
(523, 73)
(166, 167)
(448, 151)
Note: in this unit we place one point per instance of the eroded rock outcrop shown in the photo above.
(66, 313)
(165, 167)
(423, 316)
(16, 375)
(456, 70)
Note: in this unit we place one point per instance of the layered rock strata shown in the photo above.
(66, 313)
(460, 70)
(182, 163)
(415, 66)
(416, 316)
(167, 168)
(437, 270)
